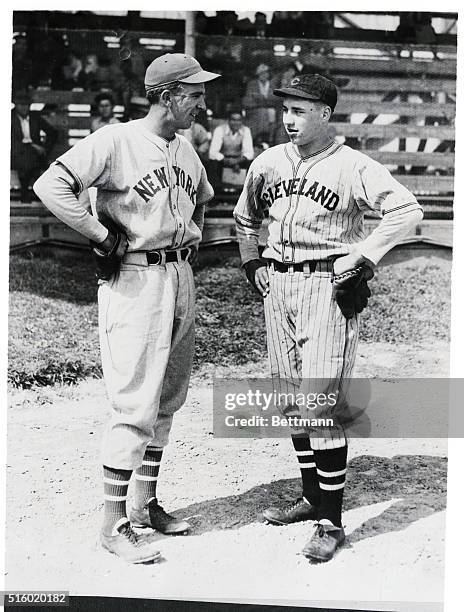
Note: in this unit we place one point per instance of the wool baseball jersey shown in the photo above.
(316, 204)
(149, 186)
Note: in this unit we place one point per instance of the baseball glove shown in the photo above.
(108, 263)
(250, 270)
(351, 290)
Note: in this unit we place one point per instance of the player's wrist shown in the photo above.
(356, 258)
(107, 245)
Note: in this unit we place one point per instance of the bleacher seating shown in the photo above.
(396, 102)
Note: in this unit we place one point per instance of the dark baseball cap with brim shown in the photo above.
(176, 67)
(311, 87)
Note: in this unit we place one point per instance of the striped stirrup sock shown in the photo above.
(146, 476)
(115, 485)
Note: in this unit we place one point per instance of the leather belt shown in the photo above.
(321, 266)
(156, 258)
(303, 266)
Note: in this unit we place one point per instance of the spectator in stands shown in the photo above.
(90, 72)
(231, 148)
(260, 105)
(71, 74)
(105, 105)
(199, 137)
(28, 151)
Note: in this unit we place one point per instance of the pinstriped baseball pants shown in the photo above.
(146, 324)
(311, 346)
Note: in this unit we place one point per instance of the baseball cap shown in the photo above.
(311, 87)
(176, 67)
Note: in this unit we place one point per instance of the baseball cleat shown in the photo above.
(153, 515)
(300, 510)
(324, 542)
(125, 543)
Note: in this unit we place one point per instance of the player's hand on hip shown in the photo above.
(348, 262)
(257, 275)
(193, 257)
(107, 245)
(262, 280)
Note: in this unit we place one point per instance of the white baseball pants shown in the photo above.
(310, 343)
(146, 324)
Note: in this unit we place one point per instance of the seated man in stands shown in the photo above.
(28, 151)
(232, 149)
(105, 104)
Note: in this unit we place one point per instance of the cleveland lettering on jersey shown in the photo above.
(149, 185)
(295, 186)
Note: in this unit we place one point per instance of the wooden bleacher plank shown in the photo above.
(389, 84)
(405, 158)
(427, 184)
(387, 47)
(78, 123)
(394, 130)
(348, 104)
(63, 98)
(356, 65)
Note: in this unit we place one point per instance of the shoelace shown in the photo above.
(129, 533)
(295, 504)
(320, 531)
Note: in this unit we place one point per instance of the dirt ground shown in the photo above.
(394, 505)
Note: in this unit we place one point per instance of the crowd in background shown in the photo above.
(68, 61)
(226, 151)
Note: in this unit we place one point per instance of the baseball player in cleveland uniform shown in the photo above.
(316, 192)
(152, 186)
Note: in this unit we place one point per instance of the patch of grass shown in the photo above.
(53, 333)
(411, 302)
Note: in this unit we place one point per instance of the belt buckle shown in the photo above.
(307, 269)
(159, 256)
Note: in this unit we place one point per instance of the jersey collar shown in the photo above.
(293, 150)
(160, 142)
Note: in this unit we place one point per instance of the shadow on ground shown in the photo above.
(419, 482)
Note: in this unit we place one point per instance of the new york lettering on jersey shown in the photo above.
(156, 180)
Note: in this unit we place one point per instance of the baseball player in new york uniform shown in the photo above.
(316, 192)
(152, 187)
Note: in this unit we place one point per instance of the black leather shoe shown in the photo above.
(153, 515)
(300, 510)
(325, 541)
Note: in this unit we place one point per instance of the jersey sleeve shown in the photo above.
(89, 160)
(374, 188)
(249, 211)
(205, 191)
